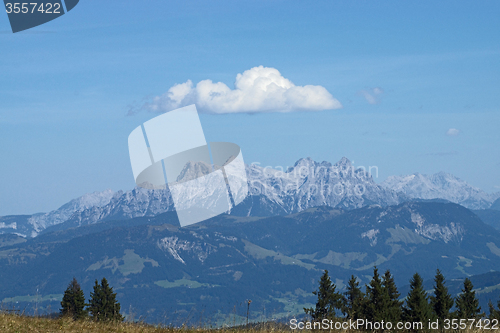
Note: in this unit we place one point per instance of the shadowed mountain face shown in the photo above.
(158, 268)
(496, 205)
(490, 217)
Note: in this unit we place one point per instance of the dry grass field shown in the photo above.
(11, 323)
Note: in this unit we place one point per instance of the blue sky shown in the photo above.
(66, 87)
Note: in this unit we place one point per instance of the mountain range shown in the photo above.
(441, 186)
(272, 192)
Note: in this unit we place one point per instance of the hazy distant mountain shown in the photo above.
(496, 204)
(489, 216)
(31, 225)
(440, 186)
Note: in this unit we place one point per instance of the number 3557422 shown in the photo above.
(33, 7)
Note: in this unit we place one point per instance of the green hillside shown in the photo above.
(164, 273)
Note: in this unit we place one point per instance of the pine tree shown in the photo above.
(96, 302)
(103, 305)
(112, 308)
(352, 300)
(467, 303)
(417, 306)
(494, 313)
(328, 299)
(376, 299)
(441, 301)
(73, 302)
(392, 310)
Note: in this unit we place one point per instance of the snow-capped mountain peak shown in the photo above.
(441, 185)
(193, 170)
(344, 163)
(40, 222)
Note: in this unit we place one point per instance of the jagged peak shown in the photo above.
(443, 174)
(304, 161)
(344, 162)
(307, 161)
(193, 170)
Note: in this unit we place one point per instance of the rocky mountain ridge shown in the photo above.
(441, 185)
(271, 192)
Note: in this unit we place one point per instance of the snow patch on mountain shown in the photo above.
(173, 245)
(170, 245)
(371, 235)
(12, 225)
(435, 231)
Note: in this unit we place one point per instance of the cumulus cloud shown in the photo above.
(452, 132)
(259, 89)
(372, 96)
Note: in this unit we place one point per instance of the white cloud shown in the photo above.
(259, 89)
(372, 95)
(452, 132)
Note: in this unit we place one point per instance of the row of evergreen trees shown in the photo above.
(102, 305)
(381, 301)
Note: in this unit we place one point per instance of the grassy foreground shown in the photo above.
(10, 323)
